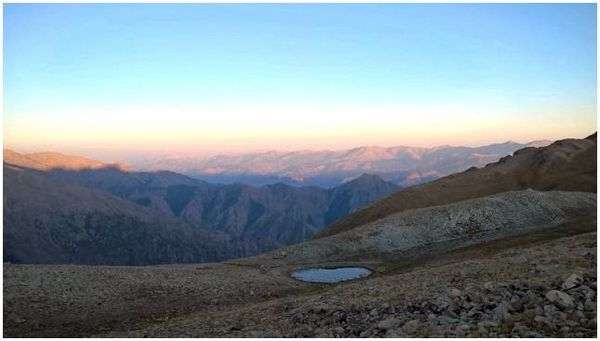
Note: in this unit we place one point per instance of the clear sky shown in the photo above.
(194, 77)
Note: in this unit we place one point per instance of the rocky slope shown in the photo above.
(547, 290)
(440, 228)
(534, 286)
(563, 165)
(251, 219)
(47, 221)
(401, 165)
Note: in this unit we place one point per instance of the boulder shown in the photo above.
(561, 299)
(573, 281)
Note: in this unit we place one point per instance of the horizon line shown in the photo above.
(82, 153)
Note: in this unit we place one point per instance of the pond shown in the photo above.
(330, 275)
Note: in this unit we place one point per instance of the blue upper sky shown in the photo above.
(178, 66)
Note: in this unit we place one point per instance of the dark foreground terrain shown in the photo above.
(539, 284)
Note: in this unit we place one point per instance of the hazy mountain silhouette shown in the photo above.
(402, 165)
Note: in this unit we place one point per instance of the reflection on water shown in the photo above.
(335, 275)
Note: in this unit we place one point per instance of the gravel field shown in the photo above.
(544, 290)
(510, 287)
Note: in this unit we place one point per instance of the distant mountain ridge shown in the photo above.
(165, 211)
(241, 220)
(566, 165)
(53, 160)
(402, 165)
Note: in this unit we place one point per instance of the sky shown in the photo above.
(201, 78)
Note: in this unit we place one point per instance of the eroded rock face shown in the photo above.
(459, 224)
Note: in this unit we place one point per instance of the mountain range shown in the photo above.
(531, 190)
(568, 164)
(402, 165)
(76, 210)
(474, 252)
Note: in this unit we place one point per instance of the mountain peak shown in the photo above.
(366, 178)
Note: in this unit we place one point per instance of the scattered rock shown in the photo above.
(521, 306)
(500, 311)
(489, 286)
(532, 334)
(388, 323)
(561, 299)
(455, 293)
(339, 331)
(393, 334)
(462, 330)
(515, 305)
(16, 319)
(411, 326)
(589, 305)
(573, 281)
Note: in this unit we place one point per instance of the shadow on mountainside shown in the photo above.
(107, 215)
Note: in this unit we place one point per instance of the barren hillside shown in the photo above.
(568, 165)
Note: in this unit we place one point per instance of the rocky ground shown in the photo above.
(441, 228)
(530, 286)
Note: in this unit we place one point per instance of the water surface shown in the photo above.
(332, 275)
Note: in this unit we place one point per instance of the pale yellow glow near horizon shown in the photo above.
(238, 128)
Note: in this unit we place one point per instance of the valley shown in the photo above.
(214, 221)
(159, 217)
(507, 250)
(300, 170)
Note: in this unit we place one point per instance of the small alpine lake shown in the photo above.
(330, 275)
